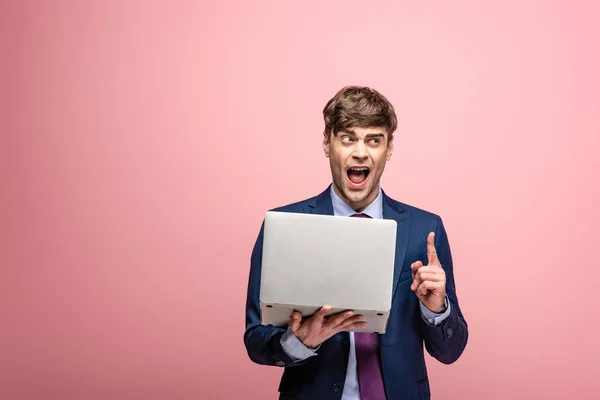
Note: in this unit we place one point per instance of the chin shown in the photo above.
(356, 196)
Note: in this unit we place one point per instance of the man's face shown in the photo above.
(357, 157)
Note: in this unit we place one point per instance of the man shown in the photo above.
(322, 359)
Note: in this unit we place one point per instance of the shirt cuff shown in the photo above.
(434, 319)
(294, 348)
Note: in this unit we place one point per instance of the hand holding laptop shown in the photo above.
(315, 330)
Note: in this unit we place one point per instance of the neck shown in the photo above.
(358, 206)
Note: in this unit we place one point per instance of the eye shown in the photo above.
(346, 139)
(375, 141)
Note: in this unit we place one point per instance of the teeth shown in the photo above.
(359, 168)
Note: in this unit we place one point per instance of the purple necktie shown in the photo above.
(368, 365)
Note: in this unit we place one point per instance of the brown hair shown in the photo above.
(357, 106)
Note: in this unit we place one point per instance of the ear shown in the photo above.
(326, 144)
(390, 147)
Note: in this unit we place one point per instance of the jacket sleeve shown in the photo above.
(263, 343)
(447, 341)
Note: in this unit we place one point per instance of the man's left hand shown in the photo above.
(429, 281)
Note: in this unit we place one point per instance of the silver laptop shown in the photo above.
(312, 260)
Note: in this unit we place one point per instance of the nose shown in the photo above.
(360, 150)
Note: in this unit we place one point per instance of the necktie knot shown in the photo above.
(360, 215)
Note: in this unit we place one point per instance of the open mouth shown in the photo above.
(358, 175)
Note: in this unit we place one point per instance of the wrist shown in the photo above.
(307, 343)
(441, 309)
(310, 345)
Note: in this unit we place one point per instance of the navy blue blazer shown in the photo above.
(404, 373)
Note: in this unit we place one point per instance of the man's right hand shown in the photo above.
(315, 330)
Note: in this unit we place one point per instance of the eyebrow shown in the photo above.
(368, 135)
(348, 131)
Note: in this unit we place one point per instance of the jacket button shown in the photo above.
(345, 342)
(280, 363)
(337, 387)
(449, 332)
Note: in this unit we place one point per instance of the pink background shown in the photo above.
(142, 142)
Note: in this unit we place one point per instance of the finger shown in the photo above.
(295, 321)
(429, 286)
(415, 288)
(350, 321)
(415, 266)
(418, 271)
(431, 252)
(339, 318)
(428, 269)
(416, 282)
(361, 323)
(431, 276)
(356, 325)
(322, 312)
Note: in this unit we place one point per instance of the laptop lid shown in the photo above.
(310, 260)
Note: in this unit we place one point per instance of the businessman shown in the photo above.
(322, 358)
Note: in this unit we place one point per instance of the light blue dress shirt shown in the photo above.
(296, 349)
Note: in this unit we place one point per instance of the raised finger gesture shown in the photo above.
(429, 281)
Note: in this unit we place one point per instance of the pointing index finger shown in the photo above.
(431, 252)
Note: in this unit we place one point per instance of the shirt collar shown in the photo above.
(341, 209)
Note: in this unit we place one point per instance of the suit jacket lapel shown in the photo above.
(401, 216)
(321, 204)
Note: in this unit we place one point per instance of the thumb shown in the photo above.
(295, 321)
(431, 252)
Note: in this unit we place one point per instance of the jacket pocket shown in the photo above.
(294, 379)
